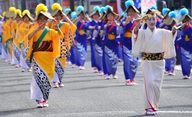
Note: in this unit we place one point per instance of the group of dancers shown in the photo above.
(44, 44)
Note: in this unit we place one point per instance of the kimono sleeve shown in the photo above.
(56, 43)
(29, 52)
(137, 43)
(169, 43)
(73, 28)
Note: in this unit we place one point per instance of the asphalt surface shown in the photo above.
(86, 94)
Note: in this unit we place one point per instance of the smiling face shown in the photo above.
(151, 22)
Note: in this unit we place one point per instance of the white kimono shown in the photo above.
(158, 41)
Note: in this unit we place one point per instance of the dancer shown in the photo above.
(130, 63)
(185, 43)
(110, 46)
(81, 38)
(44, 48)
(153, 45)
(21, 34)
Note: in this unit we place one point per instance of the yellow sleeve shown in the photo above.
(7, 32)
(30, 49)
(32, 27)
(61, 34)
(13, 29)
(73, 28)
(49, 24)
(56, 43)
(3, 33)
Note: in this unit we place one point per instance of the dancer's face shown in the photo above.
(42, 20)
(151, 22)
(26, 18)
(110, 17)
(131, 13)
(81, 16)
(96, 16)
(17, 18)
(58, 16)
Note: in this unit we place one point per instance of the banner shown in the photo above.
(147, 4)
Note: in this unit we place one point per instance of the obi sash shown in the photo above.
(111, 36)
(81, 31)
(44, 46)
(152, 56)
(128, 34)
(45, 31)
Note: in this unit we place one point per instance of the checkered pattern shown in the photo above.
(64, 48)
(71, 38)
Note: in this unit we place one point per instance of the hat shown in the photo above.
(18, 13)
(186, 18)
(11, 13)
(154, 7)
(96, 9)
(79, 10)
(4, 13)
(158, 13)
(149, 15)
(56, 7)
(122, 16)
(28, 14)
(109, 10)
(67, 11)
(165, 12)
(130, 5)
(184, 15)
(172, 17)
(102, 10)
(42, 9)
(74, 16)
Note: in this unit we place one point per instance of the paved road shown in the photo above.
(87, 95)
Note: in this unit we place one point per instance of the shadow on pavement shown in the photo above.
(99, 87)
(142, 115)
(79, 81)
(173, 87)
(14, 91)
(12, 80)
(13, 85)
(9, 112)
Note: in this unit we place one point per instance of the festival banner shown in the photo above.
(147, 4)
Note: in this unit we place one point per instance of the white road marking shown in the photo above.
(177, 112)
